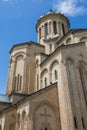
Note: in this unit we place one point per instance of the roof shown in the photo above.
(69, 32)
(61, 47)
(4, 98)
(25, 43)
(29, 95)
(51, 13)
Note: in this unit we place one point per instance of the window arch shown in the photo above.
(18, 82)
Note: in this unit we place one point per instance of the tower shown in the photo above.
(51, 27)
(21, 75)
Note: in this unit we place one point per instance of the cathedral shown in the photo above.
(47, 81)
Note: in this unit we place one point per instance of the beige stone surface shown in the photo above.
(47, 82)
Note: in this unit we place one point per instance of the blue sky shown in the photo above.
(17, 23)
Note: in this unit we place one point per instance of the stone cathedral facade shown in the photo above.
(47, 81)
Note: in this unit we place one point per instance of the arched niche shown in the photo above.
(18, 120)
(83, 39)
(54, 71)
(68, 41)
(44, 77)
(24, 120)
(37, 63)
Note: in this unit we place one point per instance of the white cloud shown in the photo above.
(8, 1)
(70, 7)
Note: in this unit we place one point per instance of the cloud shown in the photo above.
(71, 7)
(8, 1)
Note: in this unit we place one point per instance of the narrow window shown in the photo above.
(54, 27)
(45, 128)
(15, 85)
(50, 48)
(83, 123)
(40, 33)
(56, 74)
(46, 29)
(20, 83)
(45, 81)
(75, 122)
(63, 29)
(18, 78)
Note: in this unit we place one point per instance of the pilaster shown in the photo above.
(66, 115)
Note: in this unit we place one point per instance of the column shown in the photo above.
(38, 36)
(42, 32)
(66, 115)
(52, 31)
(11, 78)
(59, 27)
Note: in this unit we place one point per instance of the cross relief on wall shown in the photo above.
(45, 124)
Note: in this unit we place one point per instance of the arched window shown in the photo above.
(40, 33)
(63, 28)
(45, 81)
(54, 27)
(18, 82)
(46, 28)
(56, 74)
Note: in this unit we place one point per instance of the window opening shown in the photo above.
(46, 29)
(54, 27)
